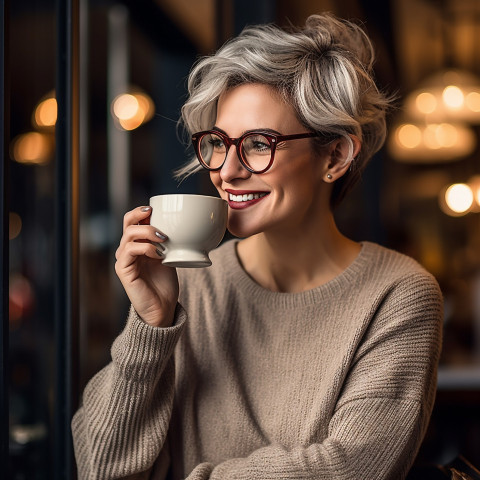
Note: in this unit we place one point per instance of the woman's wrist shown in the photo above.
(140, 347)
(163, 319)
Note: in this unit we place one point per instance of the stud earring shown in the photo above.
(329, 176)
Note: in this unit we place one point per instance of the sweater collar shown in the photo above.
(340, 285)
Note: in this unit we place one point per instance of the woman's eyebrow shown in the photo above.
(217, 129)
(263, 130)
(260, 130)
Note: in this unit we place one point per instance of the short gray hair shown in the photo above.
(323, 70)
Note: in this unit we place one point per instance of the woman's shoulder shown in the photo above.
(391, 261)
(393, 268)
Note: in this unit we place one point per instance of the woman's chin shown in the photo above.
(237, 233)
(240, 229)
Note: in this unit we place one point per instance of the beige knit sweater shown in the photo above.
(334, 383)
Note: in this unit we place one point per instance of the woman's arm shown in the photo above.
(369, 439)
(384, 407)
(122, 424)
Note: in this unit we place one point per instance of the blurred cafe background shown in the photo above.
(91, 91)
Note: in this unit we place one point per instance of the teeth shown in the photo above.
(246, 197)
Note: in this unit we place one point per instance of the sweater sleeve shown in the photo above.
(384, 408)
(121, 426)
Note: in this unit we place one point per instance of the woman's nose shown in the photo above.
(232, 167)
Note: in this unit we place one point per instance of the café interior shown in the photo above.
(420, 194)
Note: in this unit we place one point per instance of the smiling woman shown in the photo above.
(299, 353)
(331, 90)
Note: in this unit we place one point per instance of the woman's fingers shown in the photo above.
(132, 250)
(136, 216)
(139, 238)
(139, 233)
(136, 228)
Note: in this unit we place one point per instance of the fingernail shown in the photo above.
(159, 253)
(145, 209)
(160, 235)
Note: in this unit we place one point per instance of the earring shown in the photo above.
(329, 176)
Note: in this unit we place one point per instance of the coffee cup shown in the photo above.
(194, 225)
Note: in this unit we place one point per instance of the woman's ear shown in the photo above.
(341, 154)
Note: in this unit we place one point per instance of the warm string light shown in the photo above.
(452, 96)
(451, 102)
(432, 142)
(438, 117)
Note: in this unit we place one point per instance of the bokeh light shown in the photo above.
(45, 115)
(130, 110)
(14, 225)
(453, 97)
(32, 148)
(125, 106)
(472, 100)
(431, 142)
(446, 134)
(409, 136)
(430, 137)
(477, 195)
(21, 299)
(426, 102)
(459, 198)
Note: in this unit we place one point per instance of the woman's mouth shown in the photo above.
(241, 200)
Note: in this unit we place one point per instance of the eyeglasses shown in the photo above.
(255, 149)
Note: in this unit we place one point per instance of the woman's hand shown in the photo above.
(151, 287)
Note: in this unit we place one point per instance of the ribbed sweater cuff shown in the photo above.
(141, 351)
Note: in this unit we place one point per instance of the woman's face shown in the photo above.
(292, 192)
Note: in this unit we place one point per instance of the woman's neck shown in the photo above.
(299, 261)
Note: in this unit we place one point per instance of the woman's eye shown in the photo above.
(261, 146)
(216, 143)
(258, 144)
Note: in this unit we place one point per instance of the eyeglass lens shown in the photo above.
(256, 150)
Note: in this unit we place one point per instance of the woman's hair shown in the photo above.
(323, 70)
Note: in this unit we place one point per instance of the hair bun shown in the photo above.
(330, 32)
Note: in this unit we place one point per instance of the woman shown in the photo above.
(300, 353)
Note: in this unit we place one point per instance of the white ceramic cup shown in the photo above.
(194, 224)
